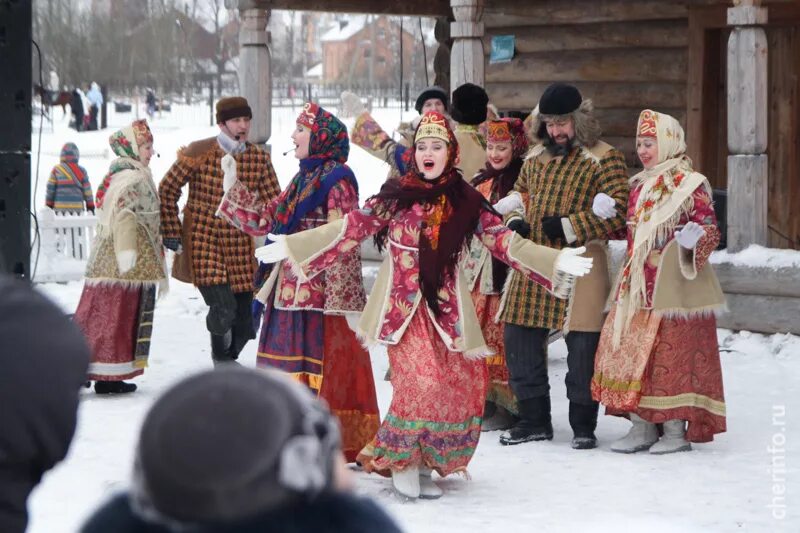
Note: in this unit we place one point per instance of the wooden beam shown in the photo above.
(648, 34)
(548, 12)
(648, 65)
(523, 96)
(765, 314)
(430, 8)
(764, 281)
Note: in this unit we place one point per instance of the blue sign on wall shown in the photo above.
(502, 49)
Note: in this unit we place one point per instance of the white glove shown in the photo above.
(510, 203)
(604, 206)
(125, 260)
(352, 320)
(689, 235)
(228, 164)
(351, 105)
(272, 253)
(570, 261)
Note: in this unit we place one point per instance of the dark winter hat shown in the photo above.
(559, 99)
(233, 107)
(433, 91)
(469, 104)
(43, 360)
(226, 445)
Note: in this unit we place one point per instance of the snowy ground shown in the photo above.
(746, 480)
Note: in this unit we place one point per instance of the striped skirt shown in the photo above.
(322, 352)
(117, 322)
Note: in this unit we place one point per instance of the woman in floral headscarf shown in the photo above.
(126, 266)
(506, 144)
(420, 306)
(658, 358)
(305, 329)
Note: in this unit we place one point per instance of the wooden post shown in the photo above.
(255, 78)
(747, 126)
(467, 58)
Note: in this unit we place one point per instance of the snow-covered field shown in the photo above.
(746, 480)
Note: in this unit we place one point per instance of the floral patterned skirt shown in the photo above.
(117, 322)
(322, 352)
(487, 307)
(435, 415)
(665, 369)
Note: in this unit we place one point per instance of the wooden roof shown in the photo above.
(431, 8)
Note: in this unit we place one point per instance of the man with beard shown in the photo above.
(563, 176)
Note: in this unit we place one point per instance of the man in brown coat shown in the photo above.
(221, 256)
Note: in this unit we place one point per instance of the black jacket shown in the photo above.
(43, 361)
(331, 513)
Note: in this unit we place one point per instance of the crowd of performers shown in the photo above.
(494, 232)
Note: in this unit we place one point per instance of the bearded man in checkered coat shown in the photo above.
(564, 179)
(221, 257)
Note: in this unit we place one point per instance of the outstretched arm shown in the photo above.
(553, 269)
(313, 251)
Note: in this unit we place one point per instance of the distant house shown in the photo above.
(366, 50)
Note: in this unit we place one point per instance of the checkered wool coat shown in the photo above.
(566, 186)
(220, 253)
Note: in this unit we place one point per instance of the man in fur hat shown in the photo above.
(559, 181)
(469, 109)
(220, 256)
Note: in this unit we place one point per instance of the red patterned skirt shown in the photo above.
(435, 415)
(487, 307)
(322, 352)
(117, 322)
(680, 376)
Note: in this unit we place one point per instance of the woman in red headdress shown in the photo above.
(420, 306)
(506, 144)
(658, 358)
(306, 325)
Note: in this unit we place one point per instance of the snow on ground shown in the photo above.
(746, 480)
(759, 256)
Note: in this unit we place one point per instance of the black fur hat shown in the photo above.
(559, 99)
(469, 104)
(431, 92)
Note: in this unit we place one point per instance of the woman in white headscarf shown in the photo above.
(658, 358)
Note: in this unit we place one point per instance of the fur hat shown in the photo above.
(560, 99)
(431, 92)
(565, 101)
(226, 445)
(469, 104)
(233, 107)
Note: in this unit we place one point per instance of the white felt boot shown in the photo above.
(641, 436)
(428, 490)
(673, 440)
(406, 482)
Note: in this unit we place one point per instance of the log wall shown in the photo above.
(624, 55)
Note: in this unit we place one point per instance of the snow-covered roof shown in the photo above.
(345, 29)
(315, 71)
